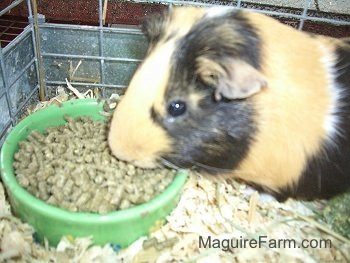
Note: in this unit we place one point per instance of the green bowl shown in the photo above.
(118, 227)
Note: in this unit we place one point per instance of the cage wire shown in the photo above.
(34, 62)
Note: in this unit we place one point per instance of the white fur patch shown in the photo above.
(332, 122)
(218, 11)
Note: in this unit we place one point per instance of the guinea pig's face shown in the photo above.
(190, 101)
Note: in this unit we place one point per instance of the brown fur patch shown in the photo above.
(294, 105)
(133, 136)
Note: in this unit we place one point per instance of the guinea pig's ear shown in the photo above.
(232, 79)
(153, 26)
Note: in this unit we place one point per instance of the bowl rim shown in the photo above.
(40, 206)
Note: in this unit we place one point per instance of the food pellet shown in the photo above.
(70, 166)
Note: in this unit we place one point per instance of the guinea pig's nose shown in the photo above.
(139, 162)
(129, 152)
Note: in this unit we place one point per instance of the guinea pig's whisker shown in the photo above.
(211, 168)
(223, 170)
(169, 164)
(195, 164)
(343, 66)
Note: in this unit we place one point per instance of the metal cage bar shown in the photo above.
(33, 14)
(6, 91)
(9, 84)
(20, 74)
(11, 6)
(307, 4)
(101, 41)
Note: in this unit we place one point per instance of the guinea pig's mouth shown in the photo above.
(143, 164)
(161, 163)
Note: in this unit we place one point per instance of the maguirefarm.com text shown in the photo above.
(261, 241)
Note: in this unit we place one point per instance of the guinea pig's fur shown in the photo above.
(240, 94)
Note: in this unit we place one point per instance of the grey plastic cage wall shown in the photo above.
(95, 56)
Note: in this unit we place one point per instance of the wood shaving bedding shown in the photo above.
(220, 210)
(197, 214)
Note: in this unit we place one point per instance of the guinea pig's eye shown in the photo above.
(177, 108)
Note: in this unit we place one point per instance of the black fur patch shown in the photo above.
(346, 40)
(213, 37)
(328, 173)
(211, 135)
(205, 138)
(153, 27)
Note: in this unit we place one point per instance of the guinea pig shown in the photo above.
(238, 94)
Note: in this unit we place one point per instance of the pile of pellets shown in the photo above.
(70, 166)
